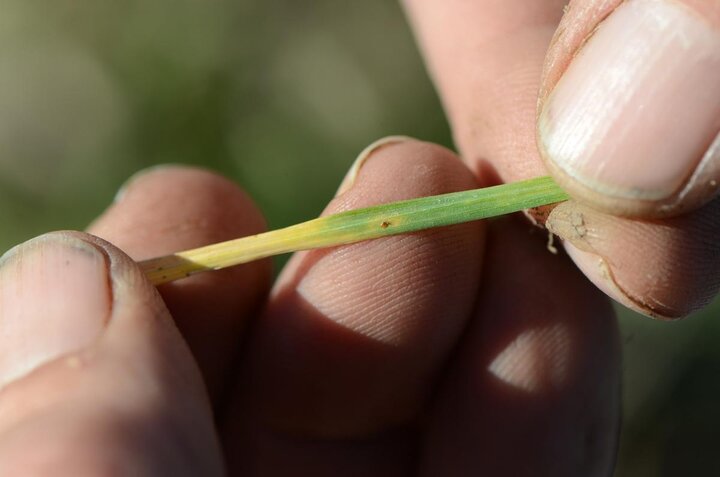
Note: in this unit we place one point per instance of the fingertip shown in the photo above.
(665, 269)
(400, 168)
(116, 386)
(172, 208)
(69, 298)
(62, 292)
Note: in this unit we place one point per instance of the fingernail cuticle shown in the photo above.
(362, 158)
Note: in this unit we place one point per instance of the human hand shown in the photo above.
(445, 377)
(627, 120)
(456, 351)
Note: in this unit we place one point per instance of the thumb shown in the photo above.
(94, 377)
(629, 111)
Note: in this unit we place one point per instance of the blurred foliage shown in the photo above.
(279, 95)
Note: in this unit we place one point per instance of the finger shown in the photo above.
(630, 109)
(169, 209)
(534, 388)
(486, 58)
(346, 355)
(682, 275)
(95, 378)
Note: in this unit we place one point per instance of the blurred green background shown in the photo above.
(279, 95)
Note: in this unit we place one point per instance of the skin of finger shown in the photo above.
(348, 350)
(581, 20)
(662, 268)
(486, 58)
(176, 208)
(534, 386)
(133, 403)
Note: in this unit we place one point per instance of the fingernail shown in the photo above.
(122, 191)
(352, 174)
(639, 105)
(55, 298)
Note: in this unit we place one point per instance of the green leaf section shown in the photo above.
(437, 211)
(361, 224)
